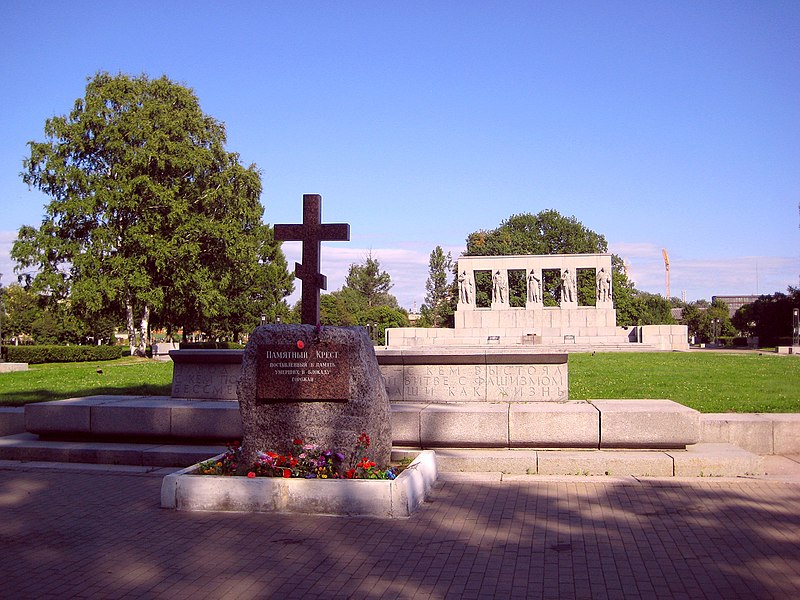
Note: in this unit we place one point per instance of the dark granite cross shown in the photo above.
(312, 232)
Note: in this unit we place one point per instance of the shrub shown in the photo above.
(48, 354)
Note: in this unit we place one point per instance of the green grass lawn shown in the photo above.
(712, 382)
(708, 382)
(56, 381)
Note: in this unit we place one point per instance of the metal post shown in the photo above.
(796, 327)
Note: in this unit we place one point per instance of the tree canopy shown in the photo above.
(549, 232)
(439, 306)
(770, 317)
(364, 300)
(149, 216)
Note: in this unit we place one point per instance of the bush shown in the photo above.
(49, 354)
(210, 346)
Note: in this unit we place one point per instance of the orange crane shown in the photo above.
(666, 266)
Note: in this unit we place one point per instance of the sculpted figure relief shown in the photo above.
(499, 288)
(568, 291)
(603, 286)
(534, 288)
(465, 288)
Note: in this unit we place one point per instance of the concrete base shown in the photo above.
(399, 498)
(789, 350)
(700, 460)
(12, 420)
(29, 447)
(6, 367)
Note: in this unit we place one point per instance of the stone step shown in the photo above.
(698, 460)
(582, 424)
(29, 447)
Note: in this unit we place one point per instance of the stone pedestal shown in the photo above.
(321, 385)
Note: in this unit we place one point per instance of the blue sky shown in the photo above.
(659, 124)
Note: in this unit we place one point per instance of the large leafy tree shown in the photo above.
(770, 317)
(549, 232)
(437, 311)
(372, 283)
(364, 300)
(150, 216)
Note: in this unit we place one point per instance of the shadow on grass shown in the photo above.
(21, 398)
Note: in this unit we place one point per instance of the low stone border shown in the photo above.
(6, 367)
(398, 498)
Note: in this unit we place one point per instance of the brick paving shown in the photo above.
(101, 534)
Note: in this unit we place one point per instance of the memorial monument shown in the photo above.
(569, 320)
(320, 384)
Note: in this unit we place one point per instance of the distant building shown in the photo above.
(735, 302)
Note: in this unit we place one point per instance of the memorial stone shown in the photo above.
(319, 384)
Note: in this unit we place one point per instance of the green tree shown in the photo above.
(769, 317)
(438, 309)
(21, 309)
(364, 300)
(372, 283)
(150, 216)
(651, 309)
(549, 232)
(698, 317)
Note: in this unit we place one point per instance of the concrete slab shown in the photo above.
(752, 432)
(7, 367)
(169, 455)
(130, 419)
(464, 425)
(782, 468)
(26, 446)
(495, 460)
(647, 424)
(406, 420)
(785, 433)
(12, 420)
(554, 425)
(603, 462)
(212, 420)
(716, 460)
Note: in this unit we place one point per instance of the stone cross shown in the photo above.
(312, 232)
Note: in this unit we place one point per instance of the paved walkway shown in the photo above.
(79, 532)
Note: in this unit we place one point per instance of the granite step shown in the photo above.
(698, 460)
(581, 424)
(30, 447)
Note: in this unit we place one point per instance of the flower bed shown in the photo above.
(394, 498)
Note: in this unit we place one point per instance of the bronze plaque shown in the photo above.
(306, 371)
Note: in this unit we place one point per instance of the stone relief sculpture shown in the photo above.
(603, 286)
(499, 288)
(568, 290)
(465, 288)
(534, 288)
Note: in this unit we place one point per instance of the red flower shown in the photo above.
(363, 439)
(250, 475)
(297, 442)
(350, 473)
(287, 473)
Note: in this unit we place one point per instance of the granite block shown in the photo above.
(554, 425)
